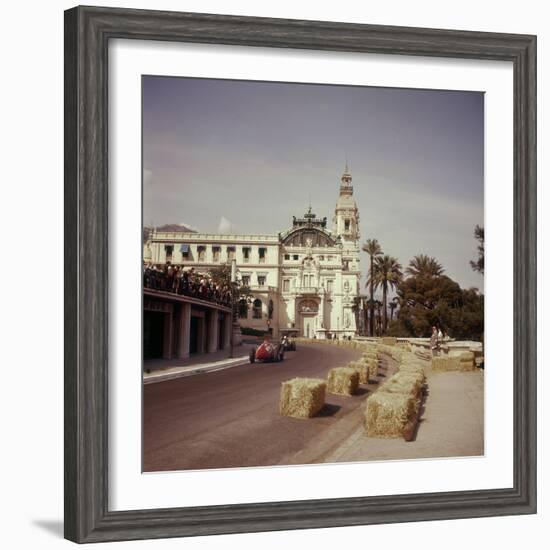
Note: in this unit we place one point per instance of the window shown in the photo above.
(246, 254)
(287, 256)
(346, 225)
(216, 251)
(262, 252)
(321, 258)
(257, 309)
(286, 285)
(243, 308)
(230, 253)
(245, 279)
(261, 280)
(184, 249)
(329, 285)
(201, 251)
(295, 257)
(169, 248)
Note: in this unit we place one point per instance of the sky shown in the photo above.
(244, 157)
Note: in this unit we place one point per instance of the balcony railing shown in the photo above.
(307, 290)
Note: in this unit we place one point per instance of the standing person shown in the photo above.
(434, 341)
(439, 341)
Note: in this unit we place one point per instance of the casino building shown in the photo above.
(304, 279)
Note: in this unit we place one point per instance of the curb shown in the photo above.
(189, 371)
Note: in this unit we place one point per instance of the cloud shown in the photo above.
(225, 226)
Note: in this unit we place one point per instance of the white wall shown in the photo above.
(32, 170)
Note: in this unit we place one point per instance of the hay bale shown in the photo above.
(372, 369)
(405, 383)
(467, 361)
(390, 414)
(366, 368)
(410, 367)
(441, 363)
(302, 397)
(362, 369)
(464, 362)
(343, 380)
(406, 346)
(389, 341)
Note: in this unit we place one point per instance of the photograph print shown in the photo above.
(313, 273)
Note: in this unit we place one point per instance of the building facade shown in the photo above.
(304, 279)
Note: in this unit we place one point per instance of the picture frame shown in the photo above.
(87, 34)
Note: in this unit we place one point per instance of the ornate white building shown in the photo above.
(304, 279)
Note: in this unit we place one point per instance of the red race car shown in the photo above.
(267, 352)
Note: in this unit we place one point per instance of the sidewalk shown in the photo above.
(169, 369)
(451, 424)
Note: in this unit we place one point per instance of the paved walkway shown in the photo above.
(169, 369)
(451, 424)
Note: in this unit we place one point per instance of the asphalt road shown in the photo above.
(231, 418)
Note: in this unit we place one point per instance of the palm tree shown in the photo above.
(373, 249)
(378, 306)
(425, 266)
(356, 308)
(387, 274)
(393, 304)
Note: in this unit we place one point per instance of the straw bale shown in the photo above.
(343, 380)
(389, 340)
(464, 362)
(373, 370)
(390, 414)
(411, 368)
(370, 354)
(406, 346)
(362, 370)
(467, 360)
(408, 384)
(302, 397)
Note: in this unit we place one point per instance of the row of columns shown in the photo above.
(208, 328)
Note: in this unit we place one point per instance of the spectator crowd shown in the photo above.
(187, 282)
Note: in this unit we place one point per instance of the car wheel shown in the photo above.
(252, 356)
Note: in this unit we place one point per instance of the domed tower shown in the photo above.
(347, 282)
(346, 215)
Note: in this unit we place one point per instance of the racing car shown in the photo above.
(267, 352)
(288, 340)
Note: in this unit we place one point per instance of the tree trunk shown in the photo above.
(384, 300)
(371, 303)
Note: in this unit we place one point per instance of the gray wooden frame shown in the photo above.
(87, 34)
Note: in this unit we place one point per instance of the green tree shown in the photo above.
(221, 275)
(356, 308)
(386, 274)
(393, 305)
(373, 249)
(424, 265)
(479, 264)
(427, 301)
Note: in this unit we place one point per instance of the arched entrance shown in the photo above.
(308, 310)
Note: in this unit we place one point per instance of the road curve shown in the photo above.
(230, 418)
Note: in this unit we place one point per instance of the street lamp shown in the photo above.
(233, 309)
